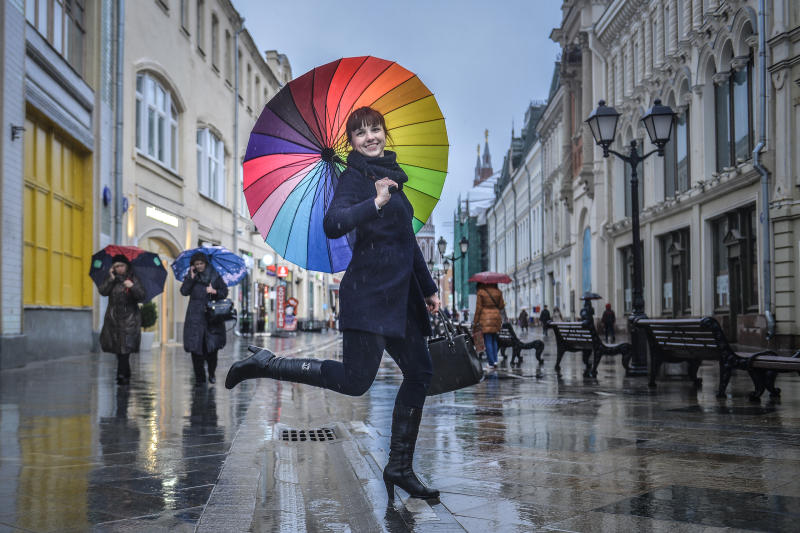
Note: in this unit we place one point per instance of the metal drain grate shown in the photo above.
(306, 435)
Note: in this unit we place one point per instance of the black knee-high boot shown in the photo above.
(211, 360)
(265, 364)
(399, 470)
(123, 368)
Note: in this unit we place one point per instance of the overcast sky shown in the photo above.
(483, 60)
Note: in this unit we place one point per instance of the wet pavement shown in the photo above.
(526, 450)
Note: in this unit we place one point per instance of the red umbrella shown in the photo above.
(490, 277)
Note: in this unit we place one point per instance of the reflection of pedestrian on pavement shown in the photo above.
(383, 297)
(201, 337)
(202, 429)
(122, 325)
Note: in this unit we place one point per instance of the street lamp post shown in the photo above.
(447, 259)
(658, 123)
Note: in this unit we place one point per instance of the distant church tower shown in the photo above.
(483, 168)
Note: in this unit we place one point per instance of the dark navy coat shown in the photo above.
(197, 332)
(387, 279)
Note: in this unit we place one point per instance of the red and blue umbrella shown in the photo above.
(230, 266)
(146, 266)
(298, 145)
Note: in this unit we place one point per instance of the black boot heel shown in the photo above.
(390, 490)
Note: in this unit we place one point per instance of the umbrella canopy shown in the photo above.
(146, 266)
(230, 266)
(591, 296)
(489, 277)
(298, 147)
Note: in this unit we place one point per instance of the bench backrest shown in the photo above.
(572, 333)
(694, 336)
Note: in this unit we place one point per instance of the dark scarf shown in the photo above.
(377, 168)
(207, 276)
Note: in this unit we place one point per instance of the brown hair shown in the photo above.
(365, 115)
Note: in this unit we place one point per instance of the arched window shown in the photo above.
(210, 165)
(156, 122)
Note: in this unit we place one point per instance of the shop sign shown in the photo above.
(283, 271)
(162, 216)
(280, 302)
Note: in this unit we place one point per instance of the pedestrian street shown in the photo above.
(525, 450)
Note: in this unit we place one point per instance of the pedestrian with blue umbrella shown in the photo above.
(202, 281)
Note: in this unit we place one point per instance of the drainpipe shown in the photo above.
(762, 141)
(118, 127)
(236, 136)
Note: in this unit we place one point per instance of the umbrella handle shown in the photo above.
(392, 189)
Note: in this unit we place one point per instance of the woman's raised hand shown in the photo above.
(128, 283)
(382, 190)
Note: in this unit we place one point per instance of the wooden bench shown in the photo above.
(763, 368)
(507, 338)
(696, 340)
(583, 337)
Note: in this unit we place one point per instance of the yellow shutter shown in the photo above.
(58, 218)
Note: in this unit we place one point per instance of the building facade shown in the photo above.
(164, 174)
(704, 215)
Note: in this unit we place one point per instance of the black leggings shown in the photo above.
(197, 362)
(124, 365)
(361, 356)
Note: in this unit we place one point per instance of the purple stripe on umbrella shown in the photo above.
(270, 124)
(261, 144)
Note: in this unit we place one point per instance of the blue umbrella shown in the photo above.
(229, 265)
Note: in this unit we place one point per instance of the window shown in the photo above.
(156, 122)
(210, 165)
(185, 15)
(676, 158)
(215, 42)
(736, 261)
(249, 88)
(676, 282)
(640, 196)
(734, 124)
(228, 59)
(61, 22)
(201, 23)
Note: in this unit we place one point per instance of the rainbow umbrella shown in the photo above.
(298, 146)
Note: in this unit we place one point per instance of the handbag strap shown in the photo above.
(449, 329)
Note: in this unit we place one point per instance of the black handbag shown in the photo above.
(455, 362)
(220, 311)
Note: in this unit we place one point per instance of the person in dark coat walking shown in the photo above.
(385, 296)
(608, 320)
(523, 321)
(201, 338)
(544, 318)
(122, 325)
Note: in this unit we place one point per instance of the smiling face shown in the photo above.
(369, 140)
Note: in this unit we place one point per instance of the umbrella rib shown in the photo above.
(410, 101)
(300, 163)
(281, 139)
(368, 86)
(294, 217)
(320, 127)
(418, 166)
(326, 203)
(267, 197)
(285, 121)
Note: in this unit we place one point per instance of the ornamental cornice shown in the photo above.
(616, 20)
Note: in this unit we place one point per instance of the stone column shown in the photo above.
(658, 53)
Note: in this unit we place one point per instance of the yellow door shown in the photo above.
(57, 217)
(165, 302)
